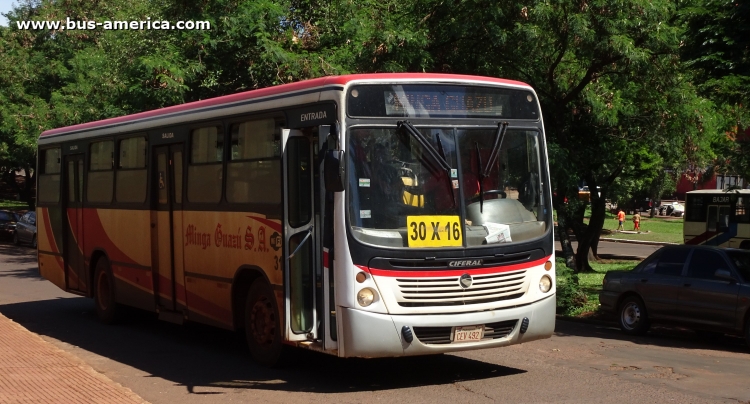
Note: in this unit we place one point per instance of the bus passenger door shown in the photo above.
(300, 241)
(166, 230)
(75, 268)
(714, 224)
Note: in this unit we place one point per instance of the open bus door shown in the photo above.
(717, 221)
(310, 308)
(300, 237)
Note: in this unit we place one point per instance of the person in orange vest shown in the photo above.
(621, 219)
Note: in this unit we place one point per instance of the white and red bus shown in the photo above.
(363, 215)
(717, 217)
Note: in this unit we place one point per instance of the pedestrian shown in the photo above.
(637, 221)
(621, 219)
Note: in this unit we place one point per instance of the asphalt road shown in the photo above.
(581, 363)
(616, 250)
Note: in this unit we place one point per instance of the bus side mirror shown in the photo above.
(333, 170)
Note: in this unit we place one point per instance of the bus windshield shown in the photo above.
(401, 196)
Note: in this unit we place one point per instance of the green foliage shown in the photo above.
(622, 99)
(570, 297)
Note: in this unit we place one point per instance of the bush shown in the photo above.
(569, 294)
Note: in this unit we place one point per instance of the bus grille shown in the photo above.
(442, 335)
(421, 292)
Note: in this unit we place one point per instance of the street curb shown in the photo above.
(620, 240)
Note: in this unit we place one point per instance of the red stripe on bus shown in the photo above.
(702, 238)
(207, 308)
(454, 272)
(270, 91)
(273, 225)
(134, 276)
(48, 229)
(96, 237)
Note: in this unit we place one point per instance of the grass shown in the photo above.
(652, 229)
(660, 229)
(591, 283)
(13, 205)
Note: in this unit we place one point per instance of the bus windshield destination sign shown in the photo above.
(441, 101)
(401, 103)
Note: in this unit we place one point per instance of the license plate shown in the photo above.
(470, 333)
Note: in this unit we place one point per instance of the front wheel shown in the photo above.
(263, 325)
(104, 293)
(33, 242)
(633, 316)
(747, 332)
(16, 241)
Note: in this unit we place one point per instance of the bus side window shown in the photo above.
(101, 172)
(131, 170)
(205, 169)
(49, 180)
(741, 212)
(254, 169)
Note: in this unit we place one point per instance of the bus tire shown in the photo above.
(263, 325)
(104, 293)
(633, 318)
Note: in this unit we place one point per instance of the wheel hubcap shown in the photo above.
(262, 322)
(631, 315)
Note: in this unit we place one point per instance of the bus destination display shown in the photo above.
(441, 100)
(442, 103)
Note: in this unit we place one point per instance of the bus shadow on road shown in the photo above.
(17, 254)
(661, 336)
(208, 360)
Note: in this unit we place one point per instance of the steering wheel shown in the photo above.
(490, 192)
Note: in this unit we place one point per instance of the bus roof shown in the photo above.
(317, 83)
(719, 191)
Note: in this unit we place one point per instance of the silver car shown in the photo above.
(26, 229)
(700, 287)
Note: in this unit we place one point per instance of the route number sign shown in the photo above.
(434, 231)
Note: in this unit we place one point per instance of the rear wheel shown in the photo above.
(747, 332)
(33, 241)
(263, 324)
(104, 292)
(15, 238)
(633, 316)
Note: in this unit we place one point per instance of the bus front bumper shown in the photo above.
(374, 335)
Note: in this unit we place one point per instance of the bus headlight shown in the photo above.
(545, 284)
(365, 297)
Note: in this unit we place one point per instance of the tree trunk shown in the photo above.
(562, 234)
(29, 188)
(588, 242)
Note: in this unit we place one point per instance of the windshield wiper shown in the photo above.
(502, 127)
(434, 154)
(437, 156)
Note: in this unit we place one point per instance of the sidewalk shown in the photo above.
(34, 371)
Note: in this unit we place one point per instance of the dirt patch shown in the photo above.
(663, 372)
